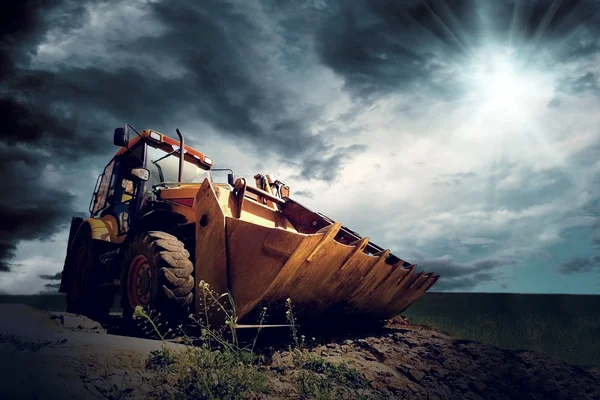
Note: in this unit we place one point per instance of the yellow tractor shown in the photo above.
(159, 225)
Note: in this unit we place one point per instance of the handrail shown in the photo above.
(241, 182)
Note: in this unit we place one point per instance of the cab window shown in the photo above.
(165, 168)
(102, 189)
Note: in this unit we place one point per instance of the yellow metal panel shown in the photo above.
(105, 229)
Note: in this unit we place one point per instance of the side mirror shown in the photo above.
(141, 173)
(231, 180)
(121, 137)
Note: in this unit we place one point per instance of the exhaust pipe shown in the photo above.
(181, 158)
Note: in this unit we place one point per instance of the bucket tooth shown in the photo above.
(419, 290)
(359, 245)
(398, 272)
(329, 279)
(389, 287)
(412, 292)
(377, 273)
(345, 280)
(401, 292)
(329, 233)
(382, 256)
(432, 281)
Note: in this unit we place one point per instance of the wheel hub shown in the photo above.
(139, 281)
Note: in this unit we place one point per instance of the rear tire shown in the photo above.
(157, 275)
(85, 296)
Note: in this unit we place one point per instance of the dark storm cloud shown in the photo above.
(55, 277)
(325, 164)
(595, 238)
(65, 115)
(580, 265)
(455, 275)
(380, 47)
(34, 133)
(304, 193)
(585, 82)
(53, 286)
(228, 83)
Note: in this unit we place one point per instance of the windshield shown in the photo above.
(165, 168)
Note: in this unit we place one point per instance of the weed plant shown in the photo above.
(222, 368)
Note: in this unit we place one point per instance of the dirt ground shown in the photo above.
(46, 355)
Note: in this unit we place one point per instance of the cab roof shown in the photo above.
(159, 138)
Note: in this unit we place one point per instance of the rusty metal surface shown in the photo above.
(319, 274)
(323, 267)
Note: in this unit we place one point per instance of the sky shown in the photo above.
(462, 135)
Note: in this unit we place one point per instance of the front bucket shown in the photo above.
(321, 276)
(258, 255)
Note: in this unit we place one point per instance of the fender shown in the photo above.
(104, 229)
(101, 229)
(157, 219)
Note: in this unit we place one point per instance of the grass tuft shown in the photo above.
(221, 368)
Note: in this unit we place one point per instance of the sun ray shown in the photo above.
(560, 45)
(542, 28)
(515, 28)
(461, 33)
(440, 23)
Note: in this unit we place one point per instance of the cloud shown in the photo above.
(370, 110)
(463, 276)
(580, 265)
(474, 241)
(595, 237)
(55, 277)
(325, 166)
(303, 193)
(36, 135)
(381, 47)
(452, 179)
(55, 286)
(73, 71)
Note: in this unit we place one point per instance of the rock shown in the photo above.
(415, 374)
(78, 322)
(440, 372)
(478, 386)
(369, 357)
(349, 342)
(277, 362)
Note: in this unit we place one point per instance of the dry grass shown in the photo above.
(222, 368)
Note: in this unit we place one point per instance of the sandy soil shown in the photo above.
(62, 356)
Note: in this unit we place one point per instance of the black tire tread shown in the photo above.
(95, 302)
(173, 269)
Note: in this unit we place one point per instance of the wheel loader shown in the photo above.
(160, 224)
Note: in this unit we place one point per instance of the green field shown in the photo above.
(564, 327)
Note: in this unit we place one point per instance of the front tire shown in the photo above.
(157, 275)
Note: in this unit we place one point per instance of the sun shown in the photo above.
(503, 105)
(501, 84)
